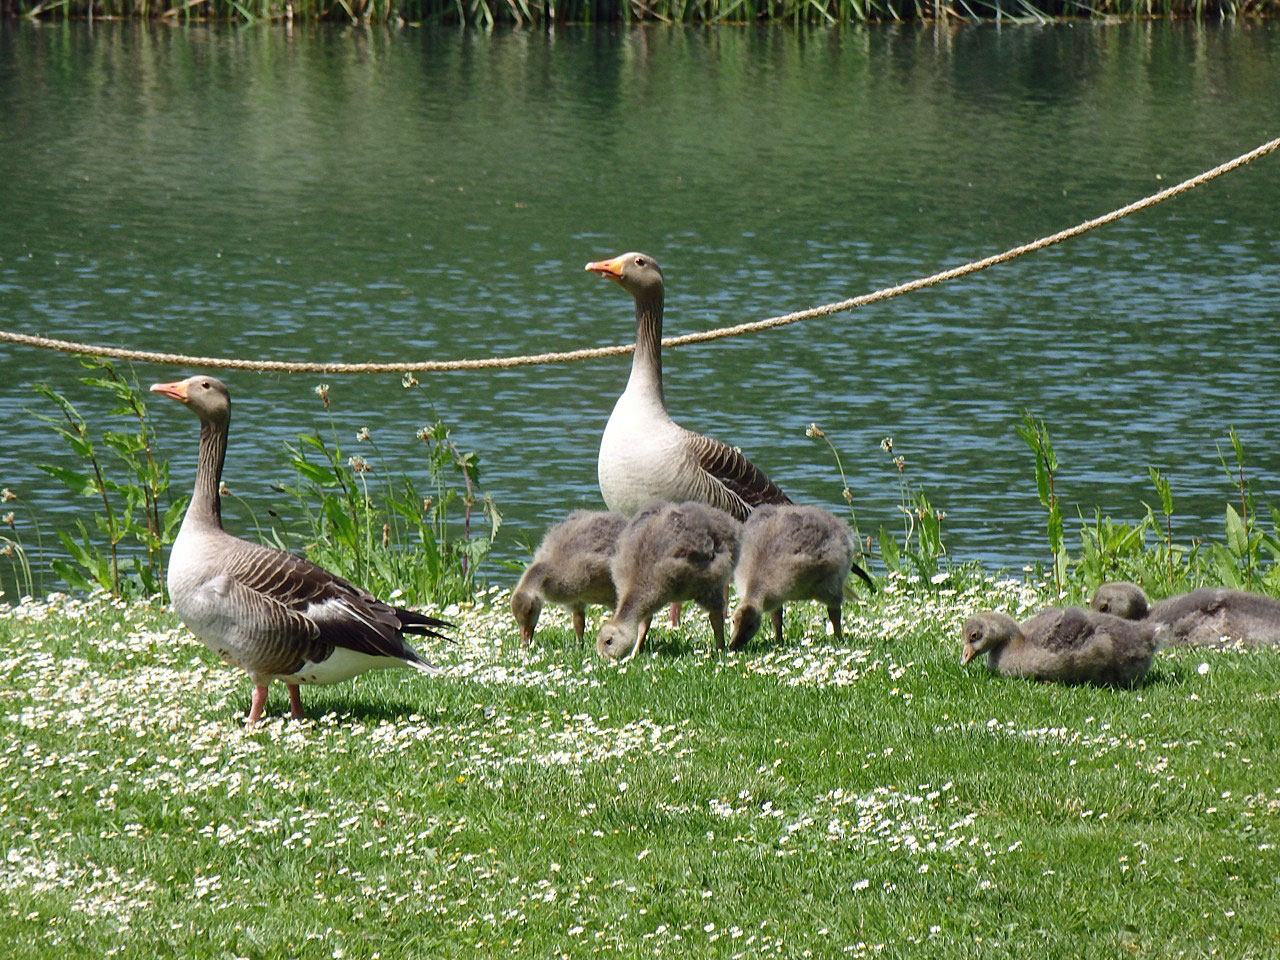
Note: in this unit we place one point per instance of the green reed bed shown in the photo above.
(489, 13)
(804, 799)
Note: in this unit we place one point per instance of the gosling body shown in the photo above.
(1063, 645)
(790, 553)
(570, 568)
(1208, 617)
(669, 552)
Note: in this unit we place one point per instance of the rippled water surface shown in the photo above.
(427, 194)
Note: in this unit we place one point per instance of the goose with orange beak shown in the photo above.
(272, 614)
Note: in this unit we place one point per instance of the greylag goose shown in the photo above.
(669, 552)
(1067, 645)
(790, 553)
(272, 614)
(1208, 617)
(644, 454)
(570, 567)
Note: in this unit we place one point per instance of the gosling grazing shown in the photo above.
(790, 553)
(1066, 645)
(570, 567)
(1208, 617)
(669, 552)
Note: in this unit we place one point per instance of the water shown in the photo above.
(346, 194)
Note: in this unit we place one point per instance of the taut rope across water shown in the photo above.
(493, 363)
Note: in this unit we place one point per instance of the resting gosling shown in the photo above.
(570, 567)
(1066, 645)
(667, 553)
(1209, 617)
(790, 553)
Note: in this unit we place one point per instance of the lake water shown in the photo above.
(349, 194)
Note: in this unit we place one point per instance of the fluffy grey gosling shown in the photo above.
(272, 614)
(570, 567)
(1211, 616)
(669, 552)
(790, 553)
(1067, 645)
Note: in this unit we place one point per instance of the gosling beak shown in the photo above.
(174, 391)
(611, 269)
(967, 654)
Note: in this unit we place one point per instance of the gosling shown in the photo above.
(1065, 645)
(790, 553)
(571, 568)
(669, 552)
(1208, 617)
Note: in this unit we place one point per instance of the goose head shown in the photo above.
(1120, 599)
(746, 622)
(637, 273)
(207, 397)
(526, 607)
(984, 632)
(616, 642)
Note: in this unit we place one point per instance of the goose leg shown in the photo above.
(717, 626)
(579, 622)
(777, 625)
(255, 707)
(295, 702)
(674, 615)
(834, 613)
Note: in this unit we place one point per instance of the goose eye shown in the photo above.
(640, 262)
(205, 384)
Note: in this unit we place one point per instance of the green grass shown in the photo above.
(870, 800)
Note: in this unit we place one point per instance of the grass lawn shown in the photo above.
(802, 800)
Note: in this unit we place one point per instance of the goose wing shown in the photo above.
(1060, 630)
(292, 604)
(731, 481)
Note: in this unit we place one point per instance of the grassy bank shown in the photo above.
(871, 800)
(546, 12)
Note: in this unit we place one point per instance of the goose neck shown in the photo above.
(206, 504)
(646, 364)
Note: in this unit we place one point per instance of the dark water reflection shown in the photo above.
(383, 195)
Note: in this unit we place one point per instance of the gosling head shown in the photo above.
(637, 273)
(526, 607)
(984, 632)
(615, 642)
(746, 621)
(1120, 599)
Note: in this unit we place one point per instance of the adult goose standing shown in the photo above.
(274, 615)
(644, 454)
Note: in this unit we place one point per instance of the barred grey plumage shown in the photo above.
(275, 615)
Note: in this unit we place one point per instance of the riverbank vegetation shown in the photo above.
(520, 13)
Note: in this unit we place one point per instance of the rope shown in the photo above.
(492, 363)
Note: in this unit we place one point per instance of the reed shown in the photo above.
(538, 13)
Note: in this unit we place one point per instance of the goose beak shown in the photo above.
(967, 654)
(174, 391)
(610, 269)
